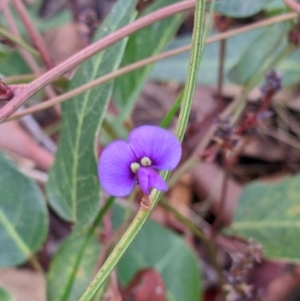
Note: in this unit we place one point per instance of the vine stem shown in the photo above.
(22, 94)
(34, 35)
(143, 214)
(293, 5)
(16, 40)
(28, 57)
(139, 64)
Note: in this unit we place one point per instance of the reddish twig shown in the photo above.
(14, 30)
(34, 35)
(22, 95)
(29, 59)
(293, 5)
(59, 99)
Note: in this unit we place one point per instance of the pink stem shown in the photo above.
(35, 36)
(29, 59)
(22, 94)
(293, 5)
(14, 30)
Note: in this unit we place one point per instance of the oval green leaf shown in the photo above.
(161, 249)
(270, 214)
(23, 215)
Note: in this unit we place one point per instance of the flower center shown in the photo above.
(145, 161)
(135, 167)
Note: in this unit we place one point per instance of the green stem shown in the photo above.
(7, 34)
(36, 265)
(142, 215)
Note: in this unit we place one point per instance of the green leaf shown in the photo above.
(11, 63)
(265, 46)
(73, 187)
(290, 69)
(270, 214)
(240, 8)
(161, 249)
(175, 68)
(59, 284)
(5, 295)
(275, 7)
(23, 215)
(142, 44)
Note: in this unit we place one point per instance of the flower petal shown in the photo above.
(114, 171)
(161, 146)
(148, 179)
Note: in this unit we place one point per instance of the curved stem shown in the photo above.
(19, 79)
(16, 40)
(28, 57)
(21, 95)
(35, 36)
(293, 5)
(144, 62)
(143, 214)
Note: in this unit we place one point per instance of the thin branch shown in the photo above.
(293, 5)
(16, 40)
(21, 95)
(34, 35)
(19, 79)
(25, 54)
(144, 62)
(14, 30)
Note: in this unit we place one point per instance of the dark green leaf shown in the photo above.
(11, 63)
(166, 252)
(144, 43)
(240, 8)
(269, 213)
(73, 187)
(23, 215)
(60, 287)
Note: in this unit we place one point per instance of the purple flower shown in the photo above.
(123, 164)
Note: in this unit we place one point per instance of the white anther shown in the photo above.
(145, 161)
(135, 167)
